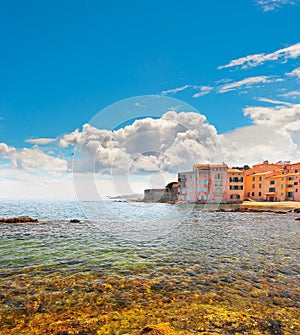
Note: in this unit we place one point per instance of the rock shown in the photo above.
(18, 220)
(297, 210)
(297, 219)
(166, 329)
(75, 221)
(159, 329)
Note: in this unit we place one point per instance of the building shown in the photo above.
(235, 185)
(206, 183)
(273, 182)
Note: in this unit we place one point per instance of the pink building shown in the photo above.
(206, 183)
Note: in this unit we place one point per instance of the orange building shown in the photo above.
(235, 185)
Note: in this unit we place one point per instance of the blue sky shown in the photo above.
(64, 61)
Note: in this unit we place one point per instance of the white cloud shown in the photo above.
(291, 94)
(292, 51)
(294, 73)
(274, 135)
(40, 141)
(275, 102)
(6, 150)
(247, 82)
(175, 90)
(33, 159)
(271, 5)
(203, 90)
(20, 184)
(171, 143)
(200, 90)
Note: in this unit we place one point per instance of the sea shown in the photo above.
(123, 266)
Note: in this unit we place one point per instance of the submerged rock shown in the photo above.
(159, 329)
(75, 221)
(166, 329)
(18, 220)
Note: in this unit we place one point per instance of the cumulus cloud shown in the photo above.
(295, 73)
(172, 143)
(6, 150)
(284, 54)
(32, 159)
(274, 135)
(40, 141)
(247, 82)
(271, 5)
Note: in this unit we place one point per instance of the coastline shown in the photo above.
(282, 205)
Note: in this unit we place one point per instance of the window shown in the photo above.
(272, 189)
(281, 185)
(259, 186)
(204, 189)
(236, 180)
(248, 194)
(218, 176)
(253, 178)
(235, 196)
(183, 191)
(182, 197)
(198, 182)
(199, 189)
(191, 189)
(253, 194)
(290, 185)
(219, 183)
(290, 194)
(204, 197)
(260, 178)
(219, 191)
(259, 194)
(188, 198)
(199, 197)
(197, 174)
(272, 182)
(253, 185)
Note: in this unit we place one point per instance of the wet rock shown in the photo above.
(160, 329)
(18, 220)
(297, 219)
(75, 221)
(273, 327)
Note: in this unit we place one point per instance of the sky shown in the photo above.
(110, 97)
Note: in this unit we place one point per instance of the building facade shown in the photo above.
(208, 183)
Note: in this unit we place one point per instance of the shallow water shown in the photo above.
(129, 264)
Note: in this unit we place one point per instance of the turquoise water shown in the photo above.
(154, 262)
